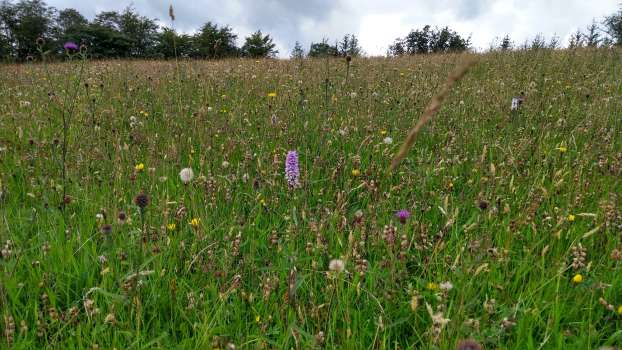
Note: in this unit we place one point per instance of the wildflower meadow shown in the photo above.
(265, 204)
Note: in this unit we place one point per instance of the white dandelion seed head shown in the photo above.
(337, 265)
(186, 175)
(446, 286)
(388, 140)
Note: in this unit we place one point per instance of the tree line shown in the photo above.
(31, 27)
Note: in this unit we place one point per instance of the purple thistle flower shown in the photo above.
(292, 173)
(403, 215)
(70, 46)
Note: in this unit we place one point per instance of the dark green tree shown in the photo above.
(322, 49)
(167, 40)
(349, 45)
(506, 43)
(576, 40)
(105, 42)
(140, 30)
(418, 41)
(25, 22)
(108, 19)
(592, 35)
(297, 52)
(259, 45)
(398, 48)
(537, 43)
(70, 26)
(215, 42)
(613, 27)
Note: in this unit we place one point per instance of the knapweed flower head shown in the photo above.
(292, 172)
(141, 200)
(402, 215)
(186, 175)
(70, 46)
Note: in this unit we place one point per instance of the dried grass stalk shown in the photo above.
(432, 108)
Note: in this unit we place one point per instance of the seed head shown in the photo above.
(141, 200)
(186, 175)
(337, 265)
(171, 13)
(468, 344)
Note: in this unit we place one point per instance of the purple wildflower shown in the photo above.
(70, 46)
(292, 173)
(403, 215)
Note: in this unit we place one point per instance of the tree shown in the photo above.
(613, 27)
(592, 35)
(70, 26)
(215, 42)
(576, 40)
(259, 45)
(537, 42)
(349, 45)
(323, 49)
(298, 52)
(427, 40)
(108, 19)
(105, 42)
(140, 30)
(506, 43)
(418, 41)
(8, 21)
(25, 22)
(168, 42)
(553, 43)
(398, 48)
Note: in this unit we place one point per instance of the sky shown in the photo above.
(376, 23)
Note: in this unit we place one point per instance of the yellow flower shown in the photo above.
(450, 185)
(195, 222)
(432, 286)
(257, 318)
(171, 226)
(383, 132)
(578, 278)
(571, 218)
(562, 149)
(356, 172)
(139, 167)
(401, 74)
(272, 94)
(620, 310)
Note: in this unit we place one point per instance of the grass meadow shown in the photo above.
(513, 237)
